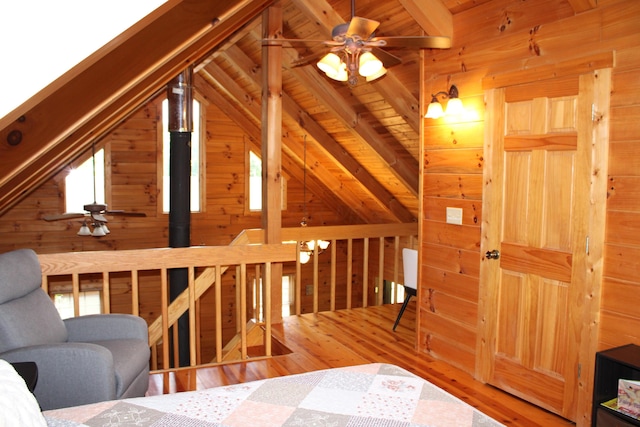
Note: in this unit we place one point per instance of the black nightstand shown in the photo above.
(611, 365)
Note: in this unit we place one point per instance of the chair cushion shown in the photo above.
(130, 358)
(30, 320)
(20, 273)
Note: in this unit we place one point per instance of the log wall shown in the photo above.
(505, 37)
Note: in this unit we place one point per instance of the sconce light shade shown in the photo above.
(454, 105)
(434, 111)
(369, 64)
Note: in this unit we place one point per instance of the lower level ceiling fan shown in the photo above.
(355, 50)
(95, 213)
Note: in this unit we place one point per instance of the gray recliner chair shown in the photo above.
(80, 360)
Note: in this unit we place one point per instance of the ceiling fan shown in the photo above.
(355, 50)
(95, 212)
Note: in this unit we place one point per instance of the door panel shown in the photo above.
(534, 208)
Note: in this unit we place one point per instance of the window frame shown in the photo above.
(247, 193)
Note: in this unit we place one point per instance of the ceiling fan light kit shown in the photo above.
(356, 51)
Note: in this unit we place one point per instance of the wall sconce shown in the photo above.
(454, 105)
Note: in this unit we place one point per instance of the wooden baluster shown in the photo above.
(218, 308)
(106, 293)
(349, 270)
(267, 309)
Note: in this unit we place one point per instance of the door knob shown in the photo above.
(494, 254)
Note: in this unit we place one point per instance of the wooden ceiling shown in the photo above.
(362, 141)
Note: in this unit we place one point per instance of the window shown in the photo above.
(81, 183)
(90, 303)
(196, 164)
(255, 184)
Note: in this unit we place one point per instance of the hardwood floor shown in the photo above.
(354, 337)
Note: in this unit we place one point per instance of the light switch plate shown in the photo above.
(454, 216)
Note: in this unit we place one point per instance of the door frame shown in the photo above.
(593, 117)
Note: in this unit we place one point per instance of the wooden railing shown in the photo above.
(206, 267)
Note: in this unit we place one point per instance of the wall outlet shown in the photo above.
(454, 216)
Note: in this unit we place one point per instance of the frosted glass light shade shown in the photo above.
(341, 75)
(330, 63)
(84, 230)
(369, 64)
(304, 257)
(377, 75)
(454, 107)
(434, 111)
(98, 231)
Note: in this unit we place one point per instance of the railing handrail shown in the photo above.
(339, 232)
(159, 258)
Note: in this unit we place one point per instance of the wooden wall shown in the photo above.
(132, 184)
(506, 36)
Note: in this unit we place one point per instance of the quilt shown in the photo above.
(366, 395)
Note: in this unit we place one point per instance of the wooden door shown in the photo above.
(537, 215)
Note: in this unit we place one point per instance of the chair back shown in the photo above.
(410, 267)
(27, 314)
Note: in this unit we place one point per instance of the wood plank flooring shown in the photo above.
(354, 337)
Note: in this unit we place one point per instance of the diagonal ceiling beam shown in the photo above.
(394, 92)
(57, 123)
(432, 15)
(320, 12)
(251, 107)
(385, 199)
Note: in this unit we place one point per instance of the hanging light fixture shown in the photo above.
(353, 62)
(454, 105)
(307, 247)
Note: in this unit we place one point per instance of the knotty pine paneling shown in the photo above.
(132, 163)
(508, 36)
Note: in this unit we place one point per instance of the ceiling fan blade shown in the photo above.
(362, 27)
(125, 213)
(298, 42)
(421, 42)
(59, 217)
(308, 59)
(388, 60)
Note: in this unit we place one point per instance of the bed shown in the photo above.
(366, 395)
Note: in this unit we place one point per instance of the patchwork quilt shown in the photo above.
(366, 395)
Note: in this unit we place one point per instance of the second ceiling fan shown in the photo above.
(356, 51)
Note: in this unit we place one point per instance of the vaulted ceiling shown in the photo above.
(363, 140)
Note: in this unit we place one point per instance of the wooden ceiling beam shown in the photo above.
(583, 5)
(320, 12)
(395, 93)
(347, 163)
(253, 132)
(52, 127)
(404, 168)
(432, 16)
(222, 82)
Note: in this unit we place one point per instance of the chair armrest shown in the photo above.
(69, 374)
(101, 327)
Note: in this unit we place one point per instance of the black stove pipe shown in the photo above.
(180, 125)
